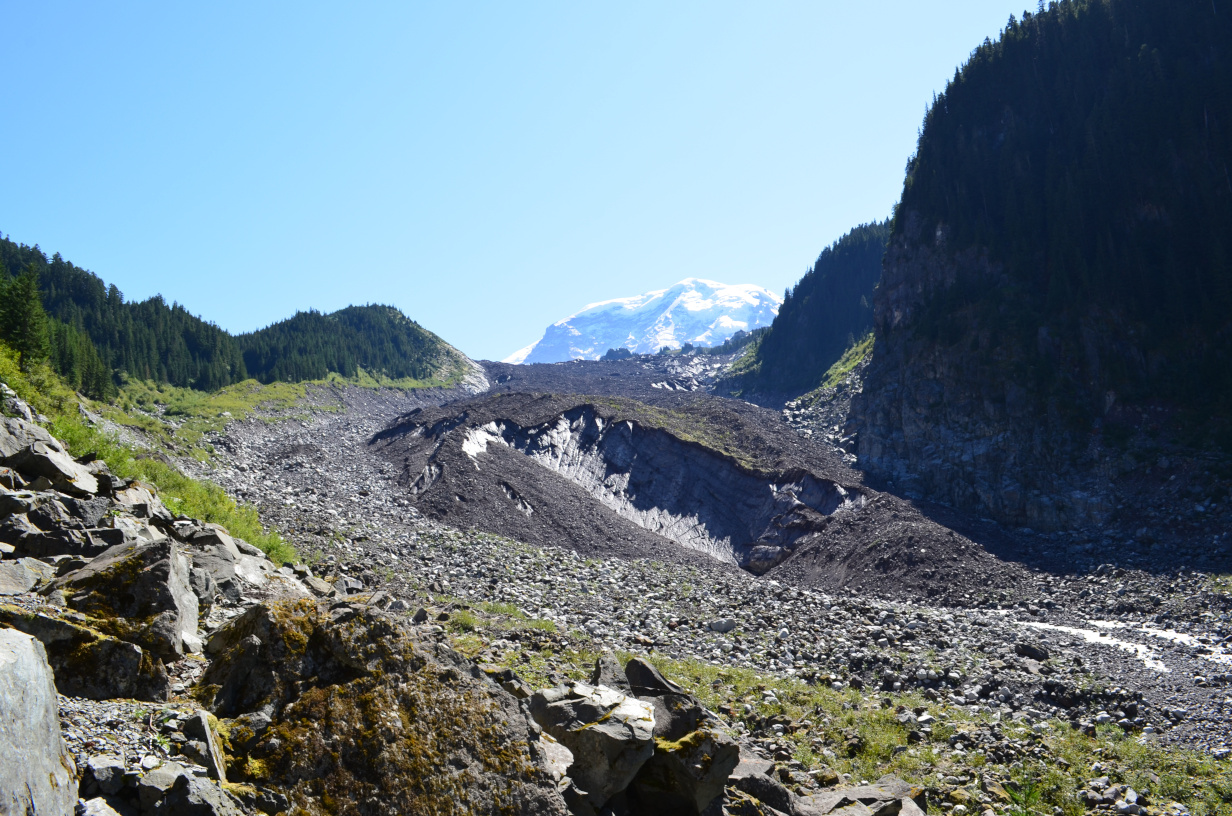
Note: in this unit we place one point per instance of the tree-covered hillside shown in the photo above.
(95, 338)
(828, 311)
(150, 340)
(1089, 152)
(378, 339)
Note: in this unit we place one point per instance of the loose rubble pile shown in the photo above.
(117, 594)
(823, 415)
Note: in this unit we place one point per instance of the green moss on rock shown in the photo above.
(367, 719)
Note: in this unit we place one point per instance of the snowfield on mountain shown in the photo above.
(697, 311)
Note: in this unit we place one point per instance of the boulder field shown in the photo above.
(192, 675)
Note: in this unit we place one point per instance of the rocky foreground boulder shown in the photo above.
(693, 755)
(88, 663)
(610, 734)
(349, 710)
(36, 774)
(27, 447)
(640, 744)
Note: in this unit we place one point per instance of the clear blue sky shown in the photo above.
(489, 168)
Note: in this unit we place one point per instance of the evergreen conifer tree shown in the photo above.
(23, 323)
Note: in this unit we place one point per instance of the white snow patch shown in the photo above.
(697, 311)
(519, 356)
(476, 440)
(1215, 653)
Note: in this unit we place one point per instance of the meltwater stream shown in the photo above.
(1149, 657)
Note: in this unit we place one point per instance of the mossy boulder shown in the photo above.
(684, 776)
(351, 713)
(88, 663)
(139, 592)
(693, 757)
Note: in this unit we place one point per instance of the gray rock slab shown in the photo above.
(50, 461)
(610, 734)
(37, 775)
(96, 807)
(18, 434)
(107, 771)
(158, 784)
(15, 578)
(142, 502)
(647, 681)
(607, 672)
(215, 536)
(884, 797)
(198, 727)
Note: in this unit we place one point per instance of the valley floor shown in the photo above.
(1065, 682)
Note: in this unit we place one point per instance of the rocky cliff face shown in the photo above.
(961, 407)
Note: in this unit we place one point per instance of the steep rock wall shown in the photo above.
(963, 406)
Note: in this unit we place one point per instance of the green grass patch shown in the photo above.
(844, 731)
(1221, 584)
(187, 414)
(506, 609)
(687, 425)
(468, 644)
(451, 375)
(749, 363)
(851, 358)
(179, 418)
(463, 620)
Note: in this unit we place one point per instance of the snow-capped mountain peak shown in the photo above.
(695, 310)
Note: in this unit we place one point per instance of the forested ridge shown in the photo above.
(149, 340)
(823, 315)
(377, 339)
(96, 338)
(1088, 152)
